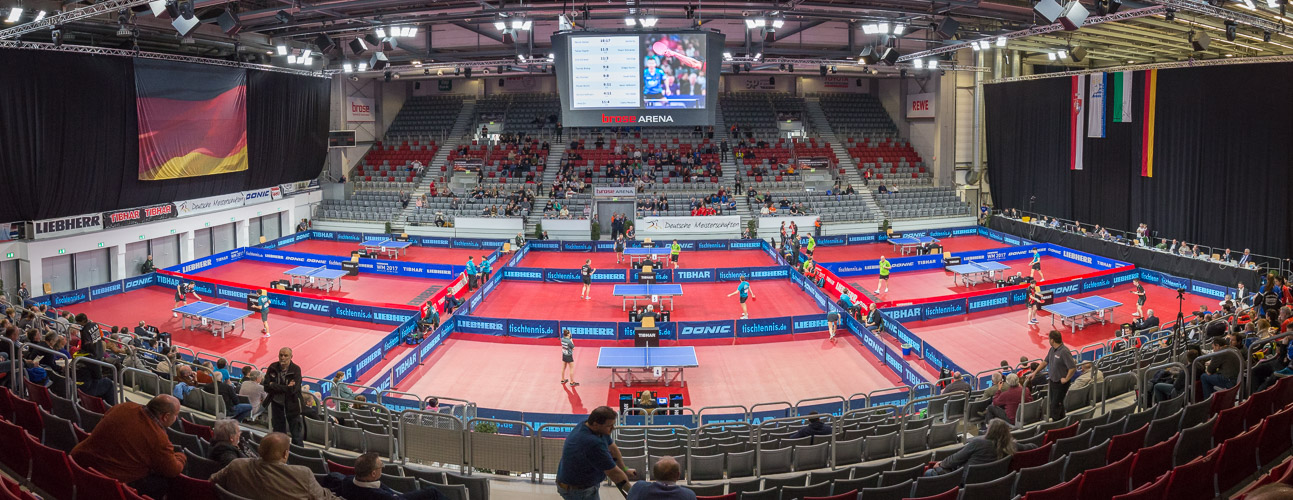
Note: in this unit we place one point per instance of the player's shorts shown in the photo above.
(264, 315)
(588, 281)
(179, 298)
(1037, 266)
(833, 317)
(673, 257)
(884, 277)
(743, 299)
(567, 358)
(1140, 301)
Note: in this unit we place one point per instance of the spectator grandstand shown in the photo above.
(921, 201)
(831, 207)
(425, 118)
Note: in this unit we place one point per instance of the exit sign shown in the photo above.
(8, 255)
(62, 250)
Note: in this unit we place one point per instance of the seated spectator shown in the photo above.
(366, 483)
(184, 382)
(227, 446)
(815, 427)
(270, 476)
(1088, 374)
(253, 389)
(665, 474)
(1006, 402)
(995, 444)
(130, 445)
(960, 383)
(1149, 321)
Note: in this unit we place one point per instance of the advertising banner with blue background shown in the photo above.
(690, 330)
(763, 327)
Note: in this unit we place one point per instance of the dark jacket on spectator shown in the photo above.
(224, 452)
(1010, 399)
(817, 428)
(977, 451)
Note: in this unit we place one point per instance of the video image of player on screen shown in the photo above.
(673, 74)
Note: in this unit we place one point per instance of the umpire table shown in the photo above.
(626, 363)
(635, 293)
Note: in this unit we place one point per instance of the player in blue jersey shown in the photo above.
(1036, 266)
(653, 79)
(746, 293)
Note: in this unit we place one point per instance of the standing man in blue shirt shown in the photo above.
(1036, 266)
(589, 456)
(471, 273)
(746, 293)
(486, 269)
(262, 306)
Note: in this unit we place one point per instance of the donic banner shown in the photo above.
(192, 119)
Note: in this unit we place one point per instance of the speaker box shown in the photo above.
(1077, 54)
(378, 61)
(284, 17)
(324, 42)
(229, 23)
(1201, 41)
(890, 56)
(1074, 15)
(390, 44)
(947, 27)
(868, 56)
(1049, 10)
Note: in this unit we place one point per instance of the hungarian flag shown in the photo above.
(1077, 125)
(1147, 127)
(1120, 93)
(192, 119)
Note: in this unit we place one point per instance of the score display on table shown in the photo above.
(625, 78)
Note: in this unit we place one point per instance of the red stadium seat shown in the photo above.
(1195, 480)
(1126, 444)
(1104, 482)
(1152, 462)
(1031, 458)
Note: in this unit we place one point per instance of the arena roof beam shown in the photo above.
(1040, 30)
(69, 16)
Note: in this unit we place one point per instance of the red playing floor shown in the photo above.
(369, 287)
(937, 282)
(428, 255)
(694, 259)
(319, 344)
(699, 302)
(873, 251)
(528, 377)
(979, 341)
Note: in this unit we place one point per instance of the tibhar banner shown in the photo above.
(133, 216)
(676, 225)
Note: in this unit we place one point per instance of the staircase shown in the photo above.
(433, 173)
(556, 151)
(813, 107)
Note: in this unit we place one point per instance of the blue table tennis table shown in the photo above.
(216, 317)
(318, 277)
(909, 244)
(636, 254)
(626, 362)
(384, 246)
(974, 273)
(1078, 311)
(646, 292)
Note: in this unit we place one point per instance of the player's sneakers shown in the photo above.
(877, 291)
(1032, 322)
(1136, 314)
(886, 290)
(588, 298)
(175, 315)
(267, 335)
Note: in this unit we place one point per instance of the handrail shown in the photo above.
(1142, 375)
(906, 411)
(700, 414)
(770, 403)
(70, 390)
(523, 426)
(468, 407)
(848, 403)
(327, 422)
(843, 402)
(978, 378)
(413, 417)
(16, 374)
(1248, 365)
(215, 386)
(1102, 345)
(192, 354)
(211, 356)
(382, 394)
(1194, 397)
(116, 376)
(934, 384)
(624, 416)
(871, 395)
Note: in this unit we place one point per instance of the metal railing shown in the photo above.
(16, 373)
(1146, 389)
(1248, 366)
(1199, 362)
(116, 376)
(775, 423)
(70, 390)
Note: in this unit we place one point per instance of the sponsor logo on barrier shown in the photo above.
(563, 275)
(947, 310)
(963, 232)
(895, 364)
(367, 361)
(190, 267)
(1012, 241)
(1206, 290)
(1124, 278)
(1173, 282)
(348, 312)
(1150, 277)
(592, 331)
(430, 345)
(508, 273)
(578, 246)
(810, 324)
(1095, 283)
(109, 288)
(1085, 259)
(435, 241)
(347, 237)
(69, 298)
(707, 330)
(1066, 289)
(540, 329)
(325, 235)
(406, 365)
(934, 358)
(163, 279)
(390, 317)
(481, 325)
(772, 273)
(904, 313)
(764, 328)
(730, 275)
(986, 303)
(231, 293)
(901, 333)
(711, 245)
(136, 283)
(309, 306)
(391, 342)
(694, 275)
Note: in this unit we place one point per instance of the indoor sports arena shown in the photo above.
(725, 250)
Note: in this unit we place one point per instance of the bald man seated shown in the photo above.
(270, 477)
(666, 472)
(130, 445)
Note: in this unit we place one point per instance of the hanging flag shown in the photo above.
(1147, 130)
(1121, 97)
(1095, 106)
(1076, 123)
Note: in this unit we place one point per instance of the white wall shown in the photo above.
(392, 100)
(758, 83)
(935, 138)
(833, 83)
(525, 84)
(114, 241)
(473, 87)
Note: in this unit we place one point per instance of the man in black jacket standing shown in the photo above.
(283, 384)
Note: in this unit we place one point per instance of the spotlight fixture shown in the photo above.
(457, 70)
(646, 22)
(782, 67)
(933, 64)
(757, 22)
(363, 66)
(1170, 15)
(56, 36)
(757, 56)
(975, 46)
(899, 29)
(381, 32)
(918, 63)
(1050, 55)
(500, 25)
(832, 69)
(346, 67)
(509, 36)
(1062, 54)
(727, 56)
(821, 70)
(690, 11)
(357, 47)
(291, 59)
(186, 9)
(747, 67)
(306, 53)
(14, 14)
(1266, 36)
(39, 15)
(792, 68)
(1001, 41)
(769, 35)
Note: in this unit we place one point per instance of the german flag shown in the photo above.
(1147, 124)
(192, 119)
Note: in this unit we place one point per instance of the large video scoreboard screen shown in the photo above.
(630, 78)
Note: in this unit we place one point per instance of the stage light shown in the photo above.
(1001, 41)
(782, 67)
(14, 14)
(933, 64)
(357, 47)
(1231, 28)
(291, 59)
(347, 67)
(757, 57)
(919, 63)
(517, 23)
(899, 29)
(381, 33)
(757, 22)
(1062, 54)
(882, 28)
(552, 57)
(975, 46)
(1050, 55)
(649, 22)
(306, 53)
(778, 23)
(727, 56)
(39, 15)
(56, 35)
(868, 29)
(1248, 4)
(363, 66)
(630, 21)
(500, 25)
(416, 63)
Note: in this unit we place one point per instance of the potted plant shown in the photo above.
(538, 231)
(750, 225)
(389, 230)
(884, 226)
(596, 231)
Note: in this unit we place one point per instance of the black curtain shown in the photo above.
(1221, 156)
(69, 144)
